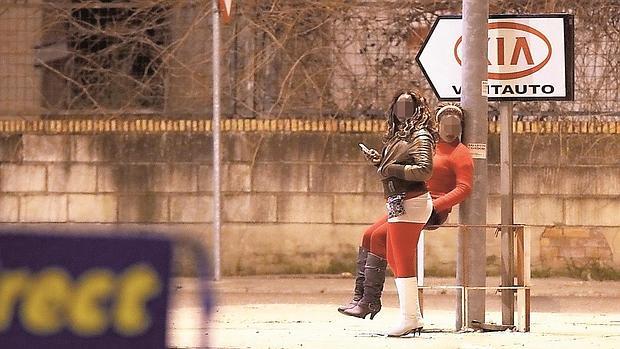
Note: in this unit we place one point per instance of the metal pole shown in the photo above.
(420, 256)
(215, 124)
(471, 244)
(507, 242)
(420, 270)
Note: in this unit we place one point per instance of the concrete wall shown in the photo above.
(298, 201)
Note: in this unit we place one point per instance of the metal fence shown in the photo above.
(298, 58)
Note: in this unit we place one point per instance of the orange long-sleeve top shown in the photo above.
(452, 178)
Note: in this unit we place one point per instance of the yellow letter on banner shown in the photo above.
(138, 284)
(42, 310)
(11, 286)
(87, 315)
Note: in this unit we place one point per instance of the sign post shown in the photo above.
(471, 241)
(507, 242)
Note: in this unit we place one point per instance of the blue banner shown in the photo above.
(82, 291)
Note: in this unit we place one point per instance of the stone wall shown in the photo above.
(298, 201)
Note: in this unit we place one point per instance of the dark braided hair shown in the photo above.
(421, 119)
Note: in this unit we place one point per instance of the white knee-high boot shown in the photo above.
(410, 317)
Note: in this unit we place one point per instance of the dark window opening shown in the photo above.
(114, 60)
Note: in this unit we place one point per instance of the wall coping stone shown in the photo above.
(90, 126)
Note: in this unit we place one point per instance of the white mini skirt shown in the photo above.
(417, 210)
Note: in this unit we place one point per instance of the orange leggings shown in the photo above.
(397, 242)
(375, 237)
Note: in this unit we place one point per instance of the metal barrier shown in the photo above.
(522, 267)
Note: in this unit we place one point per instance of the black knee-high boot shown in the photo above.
(374, 278)
(358, 291)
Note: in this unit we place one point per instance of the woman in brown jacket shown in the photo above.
(404, 164)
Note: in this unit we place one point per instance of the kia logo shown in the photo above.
(513, 58)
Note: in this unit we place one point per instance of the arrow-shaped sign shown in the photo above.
(530, 57)
(225, 9)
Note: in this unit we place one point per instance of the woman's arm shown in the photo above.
(421, 156)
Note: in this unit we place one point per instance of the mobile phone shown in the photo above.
(364, 148)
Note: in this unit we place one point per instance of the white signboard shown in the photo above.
(477, 150)
(530, 57)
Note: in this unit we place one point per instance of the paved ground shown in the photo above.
(300, 312)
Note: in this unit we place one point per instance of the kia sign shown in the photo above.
(530, 57)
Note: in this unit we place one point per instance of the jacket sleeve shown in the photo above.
(463, 166)
(420, 164)
(421, 152)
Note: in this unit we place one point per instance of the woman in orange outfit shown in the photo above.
(453, 166)
(450, 184)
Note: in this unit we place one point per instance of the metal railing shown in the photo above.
(522, 267)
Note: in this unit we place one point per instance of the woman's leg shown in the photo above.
(374, 278)
(362, 256)
(373, 272)
(378, 240)
(366, 238)
(403, 240)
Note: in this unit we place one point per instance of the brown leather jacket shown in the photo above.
(406, 164)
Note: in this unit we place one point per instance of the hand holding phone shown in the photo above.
(370, 154)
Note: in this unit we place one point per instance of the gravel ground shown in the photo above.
(300, 312)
